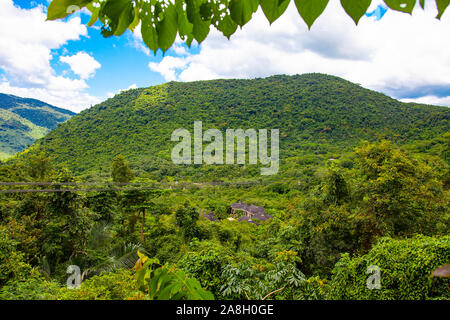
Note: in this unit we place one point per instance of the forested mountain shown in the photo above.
(316, 114)
(23, 120)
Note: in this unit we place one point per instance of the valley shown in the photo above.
(363, 181)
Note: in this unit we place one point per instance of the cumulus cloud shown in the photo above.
(398, 55)
(82, 64)
(26, 44)
(112, 94)
(439, 101)
(167, 67)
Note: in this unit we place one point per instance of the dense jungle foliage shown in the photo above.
(339, 205)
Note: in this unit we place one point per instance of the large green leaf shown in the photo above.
(205, 11)
(120, 14)
(227, 26)
(441, 5)
(200, 26)
(273, 9)
(241, 11)
(356, 8)
(401, 5)
(136, 20)
(185, 28)
(148, 30)
(167, 28)
(94, 14)
(310, 10)
(62, 8)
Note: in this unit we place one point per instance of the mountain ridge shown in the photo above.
(23, 120)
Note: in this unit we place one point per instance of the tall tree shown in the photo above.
(186, 218)
(120, 170)
(401, 194)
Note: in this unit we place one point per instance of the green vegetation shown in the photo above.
(406, 264)
(161, 21)
(22, 121)
(339, 204)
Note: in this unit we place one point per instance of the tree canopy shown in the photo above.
(162, 20)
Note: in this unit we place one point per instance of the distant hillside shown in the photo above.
(23, 120)
(315, 114)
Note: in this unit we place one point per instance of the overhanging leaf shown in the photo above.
(310, 10)
(185, 28)
(148, 30)
(136, 20)
(167, 28)
(241, 11)
(356, 8)
(273, 9)
(441, 5)
(120, 15)
(227, 26)
(195, 17)
(401, 5)
(205, 11)
(94, 14)
(200, 26)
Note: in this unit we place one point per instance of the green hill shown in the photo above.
(316, 114)
(23, 120)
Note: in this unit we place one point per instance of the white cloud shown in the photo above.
(395, 55)
(439, 101)
(168, 65)
(82, 64)
(26, 44)
(133, 86)
(178, 48)
(112, 94)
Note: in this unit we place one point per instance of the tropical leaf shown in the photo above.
(273, 9)
(356, 8)
(241, 11)
(441, 6)
(401, 5)
(310, 10)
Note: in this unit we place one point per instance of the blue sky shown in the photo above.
(69, 65)
(122, 64)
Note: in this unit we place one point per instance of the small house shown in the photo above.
(249, 212)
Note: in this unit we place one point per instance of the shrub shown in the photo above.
(406, 266)
(116, 285)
